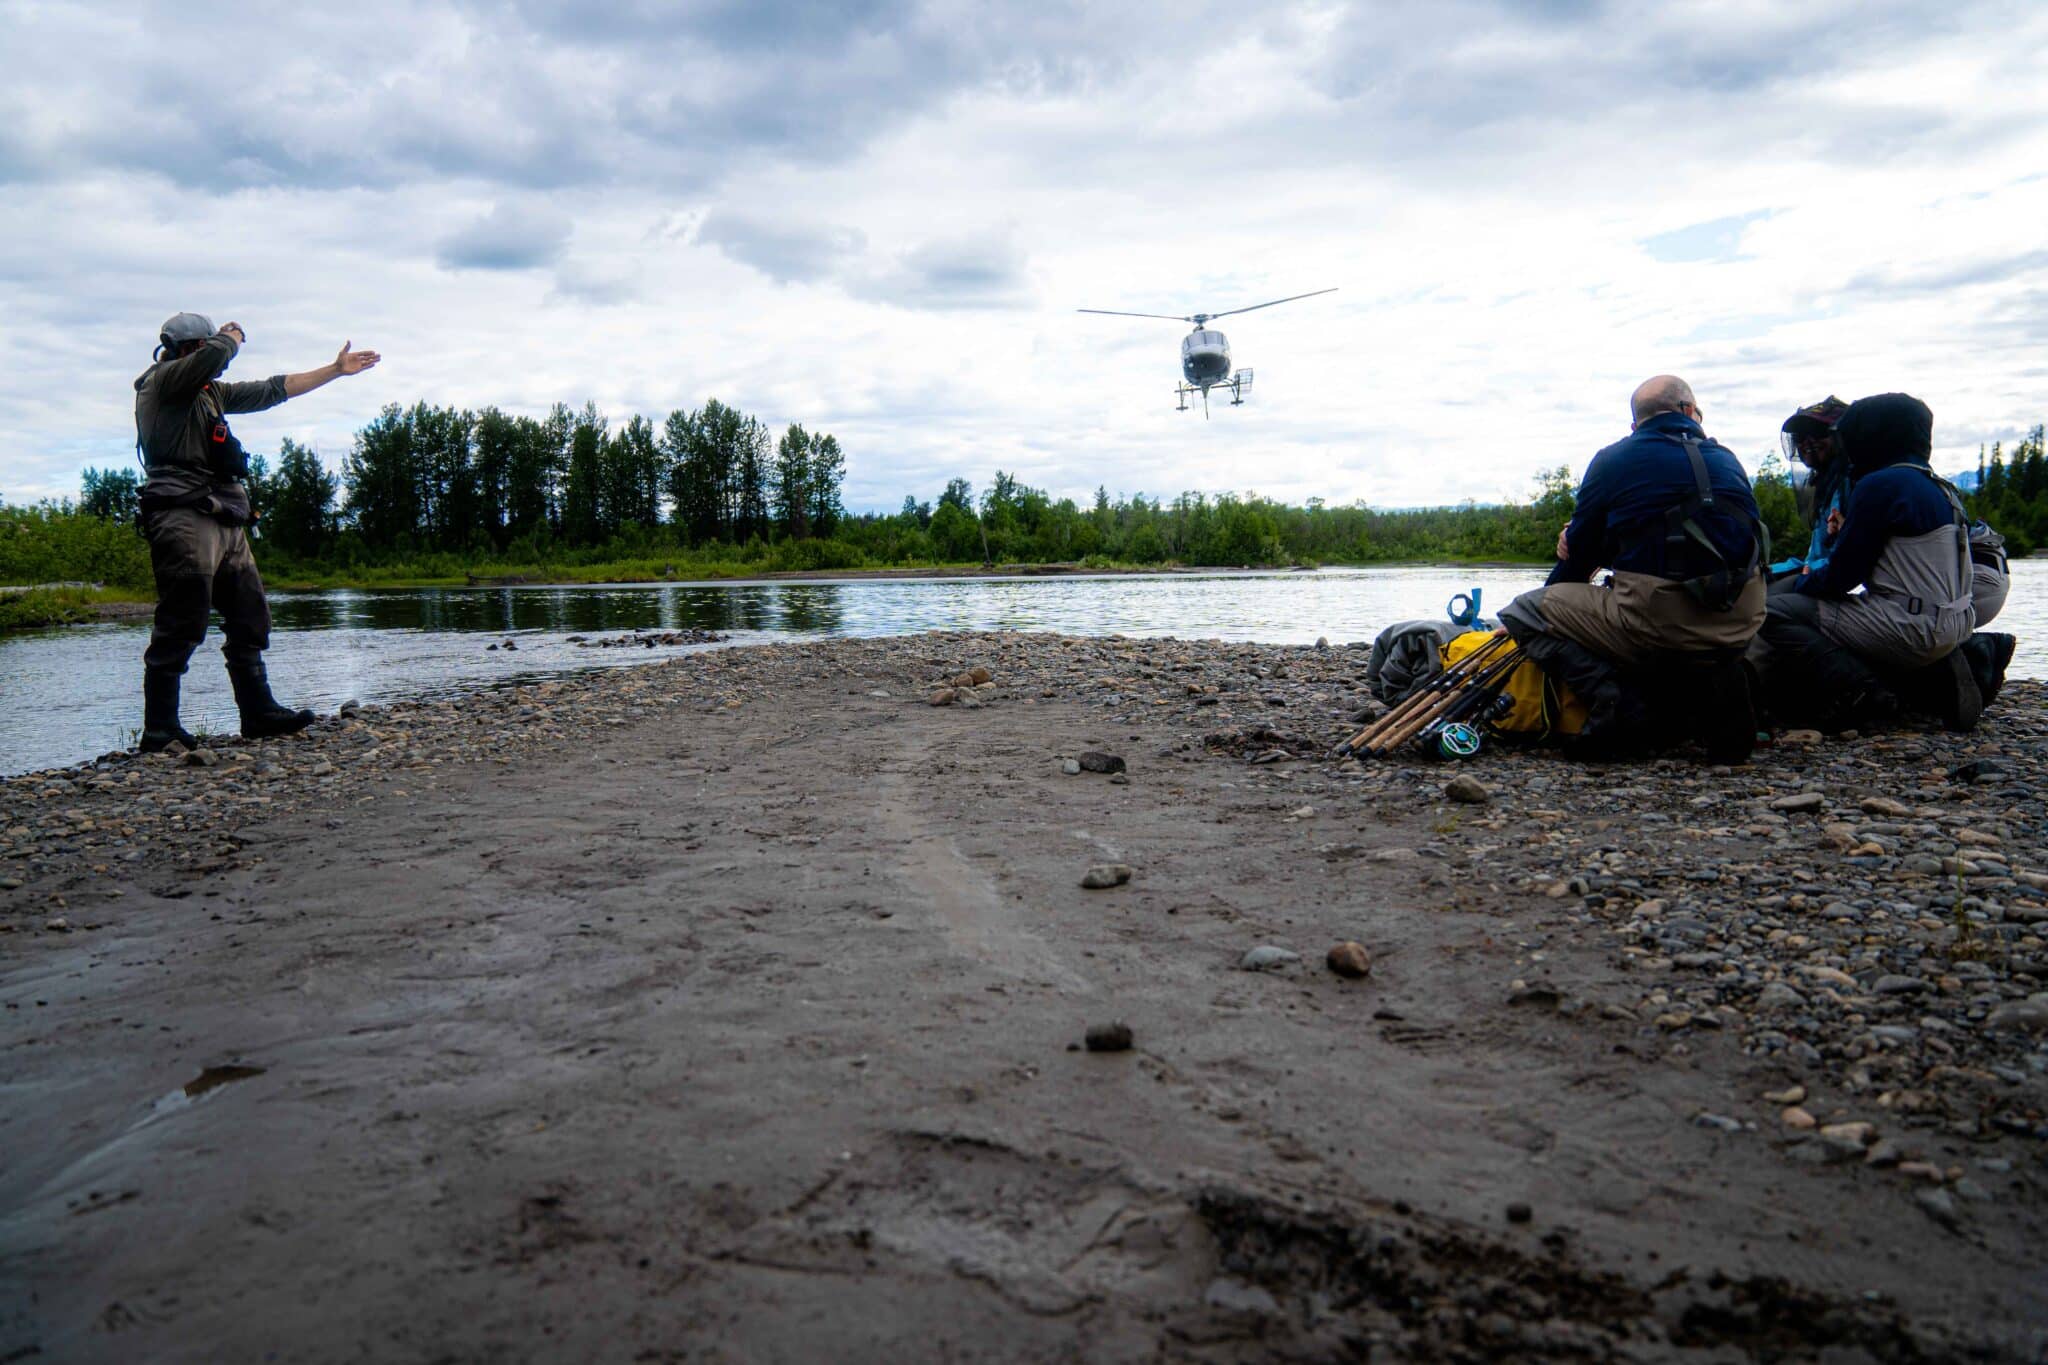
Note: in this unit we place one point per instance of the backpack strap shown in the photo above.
(1717, 590)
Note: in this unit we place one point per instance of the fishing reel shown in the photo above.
(1457, 740)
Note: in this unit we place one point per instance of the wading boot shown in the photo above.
(1727, 714)
(1870, 711)
(262, 717)
(1948, 688)
(160, 728)
(1989, 653)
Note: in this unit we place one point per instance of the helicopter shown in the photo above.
(1205, 353)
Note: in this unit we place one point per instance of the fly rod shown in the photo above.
(1421, 696)
(1500, 663)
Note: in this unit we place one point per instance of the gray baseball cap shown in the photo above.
(183, 327)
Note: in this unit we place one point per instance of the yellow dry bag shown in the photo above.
(1536, 707)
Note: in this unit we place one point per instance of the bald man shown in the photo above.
(1669, 511)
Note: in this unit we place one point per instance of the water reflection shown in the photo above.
(797, 608)
(66, 695)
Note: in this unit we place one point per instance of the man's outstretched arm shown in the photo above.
(347, 362)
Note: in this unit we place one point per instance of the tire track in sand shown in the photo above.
(959, 897)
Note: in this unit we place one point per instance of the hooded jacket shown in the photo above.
(1896, 499)
(177, 402)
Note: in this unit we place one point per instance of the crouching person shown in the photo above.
(1655, 653)
(1834, 657)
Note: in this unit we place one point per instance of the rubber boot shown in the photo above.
(1725, 711)
(1989, 654)
(262, 717)
(160, 728)
(1948, 688)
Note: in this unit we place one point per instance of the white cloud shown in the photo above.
(877, 219)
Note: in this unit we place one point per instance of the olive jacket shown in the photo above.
(177, 403)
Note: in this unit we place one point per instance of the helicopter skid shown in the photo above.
(1238, 384)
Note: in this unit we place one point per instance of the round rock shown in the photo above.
(1105, 875)
(1114, 1036)
(1468, 789)
(1350, 958)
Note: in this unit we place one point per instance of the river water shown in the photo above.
(72, 693)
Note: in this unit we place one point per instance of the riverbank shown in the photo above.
(735, 1006)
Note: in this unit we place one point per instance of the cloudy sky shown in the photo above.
(878, 218)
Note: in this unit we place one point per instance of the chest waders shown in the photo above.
(201, 562)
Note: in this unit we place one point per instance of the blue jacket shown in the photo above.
(1619, 520)
(1896, 500)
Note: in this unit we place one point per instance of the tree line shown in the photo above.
(716, 485)
(489, 483)
(431, 491)
(2012, 492)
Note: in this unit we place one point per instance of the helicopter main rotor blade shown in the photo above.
(1115, 313)
(1289, 299)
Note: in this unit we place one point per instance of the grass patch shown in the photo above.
(40, 607)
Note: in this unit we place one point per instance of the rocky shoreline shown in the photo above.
(1837, 953)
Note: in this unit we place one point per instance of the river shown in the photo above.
(72, 693)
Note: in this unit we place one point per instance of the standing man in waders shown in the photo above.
(195, 512)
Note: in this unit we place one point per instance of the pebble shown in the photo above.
(1776, 995)
(57, 925)
(1799, 801)
(202, 757)
(2030, 1016)
(1796, 1118)
(1350, 958)
(1794, 1094)
(1101, 876)
(1885, 805)
(1894, 984)
(1071, 767)
(1267, 957)
(1518, 1212)
(1111, 1037)
(1095, 761)
(1939, 1206)
(945, 696)
(1467, 789)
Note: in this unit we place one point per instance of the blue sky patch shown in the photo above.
(1718, 239)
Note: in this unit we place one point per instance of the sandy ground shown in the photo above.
(751, 1032)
